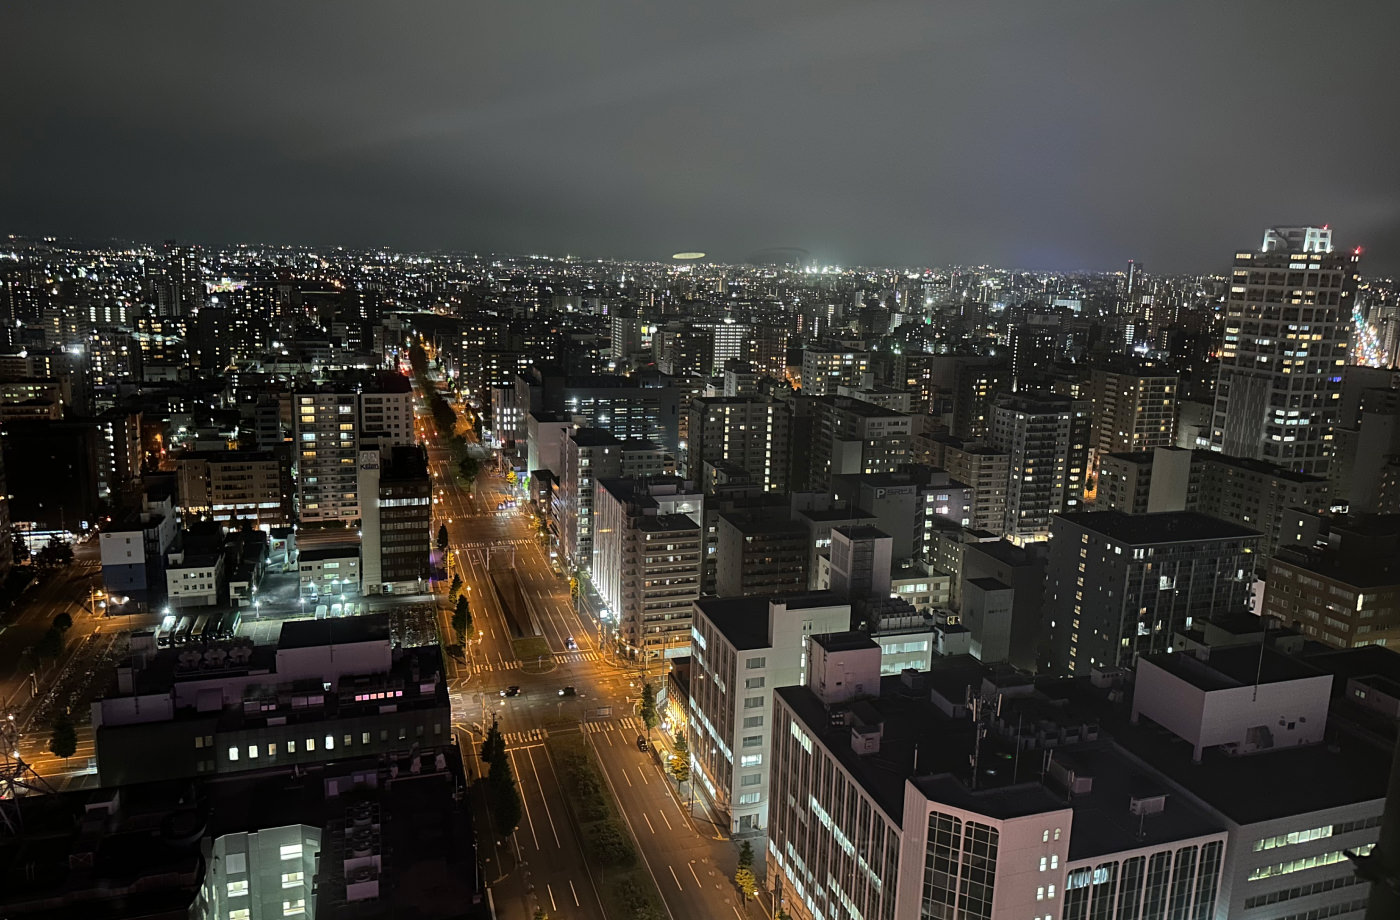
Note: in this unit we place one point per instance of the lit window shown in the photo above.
(252, 752)
(240, 913)
(233, 753)
(238, 889)
(294, 908)
(291, 851)
(291, 879)
(291, 747)
(330, 742)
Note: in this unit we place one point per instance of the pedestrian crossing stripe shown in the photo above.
(525, 737)
(628, 723)
(566, 657)
(495, 666)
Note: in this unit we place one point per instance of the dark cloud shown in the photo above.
(1071, 135)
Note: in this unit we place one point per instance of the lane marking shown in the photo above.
(642, 770)
(547, 811)
(675, 877)
(552, 906)
(574, 893)
(648, 820)
(667, 820)
(515, 767)
(691, 866)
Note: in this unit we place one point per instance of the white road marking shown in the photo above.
(691, 867)
(642, 770)
(674, 876)
(668, 822)
(648, 820)
(516, 768)
(548, 814)
(574, 893)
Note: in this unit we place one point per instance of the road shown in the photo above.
(543, 866)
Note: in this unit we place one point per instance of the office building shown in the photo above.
(742, 649)
(1342, 589)
(396, 527)
(1119, 586)
(760, 554)
(1251, 493)
(1287, 327)
(962, 793)
(233, 708)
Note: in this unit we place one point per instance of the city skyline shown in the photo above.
(1072, 140)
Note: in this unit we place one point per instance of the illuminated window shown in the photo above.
(238, 888)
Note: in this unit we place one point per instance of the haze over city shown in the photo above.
(1026, 135)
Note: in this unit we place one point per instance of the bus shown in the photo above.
(228, 628)
(211, 628)
(197, 630)
(166, 631)
(182, 630)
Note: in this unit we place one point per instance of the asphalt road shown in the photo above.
(542, 865)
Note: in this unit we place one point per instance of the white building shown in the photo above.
(743, 648)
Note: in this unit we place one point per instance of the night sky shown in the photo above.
(1056, 135)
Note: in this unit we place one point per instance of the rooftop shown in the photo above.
(1254, 466)
(370, 627)
(333, 551)
(851, 641)
(1235, 666)
(1161, 527)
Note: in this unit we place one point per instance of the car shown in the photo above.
(567, 691)
(512, 690)
(641, 744)
(570, 644)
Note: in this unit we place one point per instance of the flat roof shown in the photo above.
(743, 621)
(1159, 527)
(862, 532)
(1253, 466)
(369, 627)
(1235, 666)
(850, 641)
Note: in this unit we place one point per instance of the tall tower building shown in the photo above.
(1287, 325)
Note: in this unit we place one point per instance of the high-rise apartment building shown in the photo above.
(396, 526)
(824, 369)
(329, 423)
(854, 436)
(1287, 327)
(648, 559)
(1133, 409)
(760, 553)
(588, 455)
(1118, 586)
(748, 432)
(1036, 433)
(236, 486)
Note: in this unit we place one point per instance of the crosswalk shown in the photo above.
(626, 725)
(482, 668)
(530, 736)
(519, 541)
(572, 657)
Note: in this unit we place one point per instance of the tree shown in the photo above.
(679, 767)
(456, 585)
(610, 844)
(64, 740)
(746, 855)
(50, 644)
(442, 538)
(20, 551)
(748, 884)
(462, 618)
(647, 710)
(469, 468)
(493, 745)
(504, 795)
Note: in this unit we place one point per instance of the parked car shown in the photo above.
(641, 744)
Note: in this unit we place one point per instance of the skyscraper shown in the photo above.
(1287, 324)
